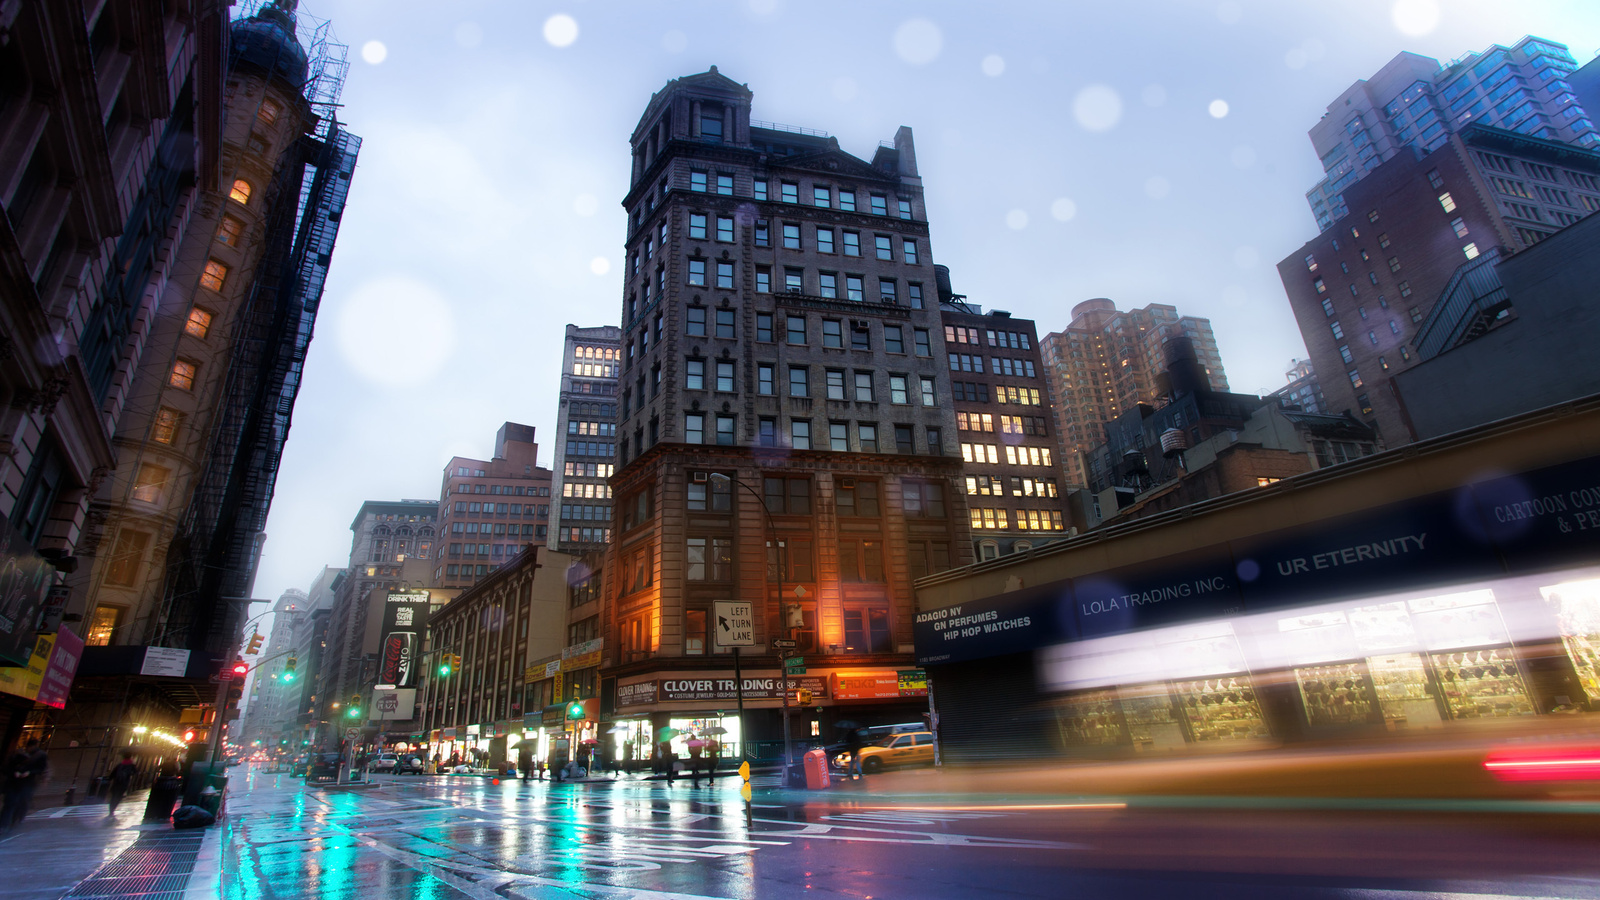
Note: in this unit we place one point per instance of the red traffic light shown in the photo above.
(188, 736)
(240, 669)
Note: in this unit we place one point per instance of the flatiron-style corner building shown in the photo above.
(786, 435)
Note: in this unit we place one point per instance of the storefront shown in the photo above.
(1472, 605)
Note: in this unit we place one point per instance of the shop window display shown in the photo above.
(1404, 694)
(1336, 695)
(1577, 609)
(1092, 719)
(1482, 683)
(1151, 721)
(1222, 709)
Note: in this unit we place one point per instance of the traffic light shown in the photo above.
(288, 667)
(234, 693)
(446, 665)
(803, 697)
(254, 645)
(239, 670)
(188, 736)
(354, 710)
(575, 710)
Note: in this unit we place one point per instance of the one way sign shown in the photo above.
(735, 625)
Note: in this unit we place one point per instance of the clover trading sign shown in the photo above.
(735, 624)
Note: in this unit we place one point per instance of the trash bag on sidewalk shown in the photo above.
(192, 817)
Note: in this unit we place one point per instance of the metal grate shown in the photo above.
(152, 868)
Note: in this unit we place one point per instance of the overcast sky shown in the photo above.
(1068, 149)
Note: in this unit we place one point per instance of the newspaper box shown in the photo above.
(816, 765)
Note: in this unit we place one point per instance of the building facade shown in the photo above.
(274, 701)
(786, 429)
(586, 438)
(489, 509)
(1360, 291)
(1009, 449)
(1413, 104)
(1106, 361)
(1304, 391)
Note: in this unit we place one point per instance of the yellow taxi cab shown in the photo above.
(911, 748)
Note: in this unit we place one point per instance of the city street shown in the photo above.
(446, 837)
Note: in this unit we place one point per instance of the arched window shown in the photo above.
(1021, 547)
(241, 191)
(988, 550)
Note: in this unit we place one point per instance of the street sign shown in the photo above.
(735, 624)
(784, 645)
(794, 662)
(793, 671)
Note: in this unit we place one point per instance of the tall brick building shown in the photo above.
(786, 428)
(489, 509)
(586, 438)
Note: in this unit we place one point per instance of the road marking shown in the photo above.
(1013, 807)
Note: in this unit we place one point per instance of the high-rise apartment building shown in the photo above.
(1010, 456)
(489, 509)
(1107, 361)
(786, 435)
(586, 438)
(1360, 290)
(1414, 104)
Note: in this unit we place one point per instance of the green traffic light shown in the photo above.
(444, 669)
(354, 713)
(575, 711)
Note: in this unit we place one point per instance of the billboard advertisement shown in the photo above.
(405, 621)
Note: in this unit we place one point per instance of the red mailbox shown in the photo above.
(816, 765)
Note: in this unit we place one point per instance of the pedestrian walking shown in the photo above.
(525, 760)
(854, 741)
(24, 770)
(669, 761)
(696, 748)
(122, 775)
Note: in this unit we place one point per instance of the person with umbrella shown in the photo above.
(854, 740)
(664, 738)
(697, 749)
(713, 746)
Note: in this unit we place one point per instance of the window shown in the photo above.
(936, 441)
(1372, 277)
(882, 242)
(839, 437)
(1338, 332)
(697, 272)
(909, 251)
(1320, 285)
(791, 237)
(183, 375)
(832, 334)
(724, 182)
(1361, 311)
(695, 319)
(799, 381)
(165, 428)
(880, 205)
(1405, 288)
(694, 632)
(1372, 216)
(760, 190)
(928, 392)
(1383, 240)
(905, 209)
(863, 387)
(127, 555)
(725, 430)
(767, 432)
(1355, 378)
(794, 280)
(787, 495)
(868, 437)
(920, 335)
(828, 284)
(853, 289)
(763, 282)
(708, 559)
(835, 384)
(1471, 250)
(825, 240)
(897, 390)
(886, 291)
(240, 192)
(694, 428)
(790, 192)
(230, 231)
(763, 235)
(847, 201)
(860, 336)
(1459, 226)
(1383, 364)
(1434, 179)
(1354, 292)
(697, 182)
(697, 226)
(764, 327)
(1327, 306)
(852, 243)
(1372, 337)
(796, 329)
(800, 434)
(857, 497)
(764, 379)
(1416, 314)
(725, 316)
(724, 376)
(103, 624)
(1394, 327)
(214, 275)
(1365, 402)
(821, 196)
(894, 340)
(198, 324)
(914, 291)
(150, 482)
(1345, 354)
(1446, 201)
(695, 375)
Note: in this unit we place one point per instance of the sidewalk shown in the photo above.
(80, 852)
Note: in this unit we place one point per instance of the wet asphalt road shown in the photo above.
(466, 836)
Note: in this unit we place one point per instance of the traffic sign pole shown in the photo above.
(738, 693)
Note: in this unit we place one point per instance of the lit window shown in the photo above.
(183, 375)
(166, 425)
(1446, 201)
(199, 324)
(102, 626)
(150, 482)
(1471, 250)
(230, 231)
(241, 191)
(214, 275)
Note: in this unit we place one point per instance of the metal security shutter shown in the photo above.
(990, 710)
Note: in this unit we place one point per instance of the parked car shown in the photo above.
(906, 749)
(383, 762)
(324, 768)
(411, 765)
